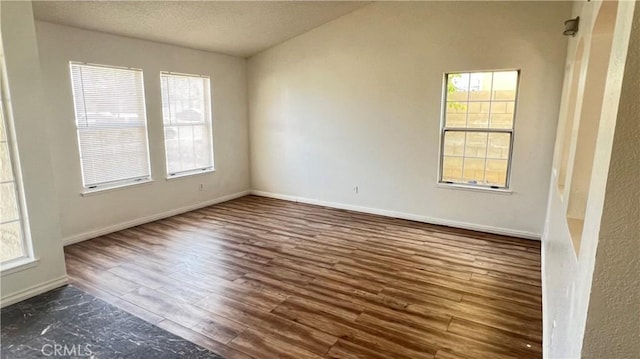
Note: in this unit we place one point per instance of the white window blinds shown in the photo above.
(186, 111)
(111, 123)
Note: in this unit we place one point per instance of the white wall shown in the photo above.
(567, 274)
(613, 321)
(85, 217)
(32, 137)
(357, 101)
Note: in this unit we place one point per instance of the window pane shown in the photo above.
(202, 146)
(476, 144)
(478, 114)
(187, 119)
(496, 174)
(11, 241)
(185, 140)
(172, 146)
(3, 133)
(452, 169)
(473, 170)
(6, 174)
(457, 108)
(502, 121)
(482, 107)
(111, 123)
(188, 147)
(504, 85)
(454, 143)
(9, 207)
(456, 114)
(457, 87)
(498, 147)
(481, 99)
(480, 86)
(478, 120)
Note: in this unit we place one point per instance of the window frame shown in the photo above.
(444, 129)
(208, 97)
(28, 256)
(120, 183)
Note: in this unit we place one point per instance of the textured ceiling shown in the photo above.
(239, 28)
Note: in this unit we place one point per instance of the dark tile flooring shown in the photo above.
(67, 322)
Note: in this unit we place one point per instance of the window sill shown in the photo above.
(91, 192)
(19, 265)
(463, 187)
(189, 174)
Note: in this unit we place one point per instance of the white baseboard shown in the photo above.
(138, 221)
(33, 291)
(402, 215)
(546, 327)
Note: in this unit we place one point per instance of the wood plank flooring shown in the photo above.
(264, 278)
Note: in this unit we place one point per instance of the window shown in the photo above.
(477, 128)
(111, 124)
(187, 123)
(13, 244)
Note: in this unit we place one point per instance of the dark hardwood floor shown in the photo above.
(264, 278)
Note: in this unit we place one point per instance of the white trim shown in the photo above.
(464, 187)
(18, 265)
(190, 173)
(136, 222)
(403, 215)
(115, 187)
(33, 291)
